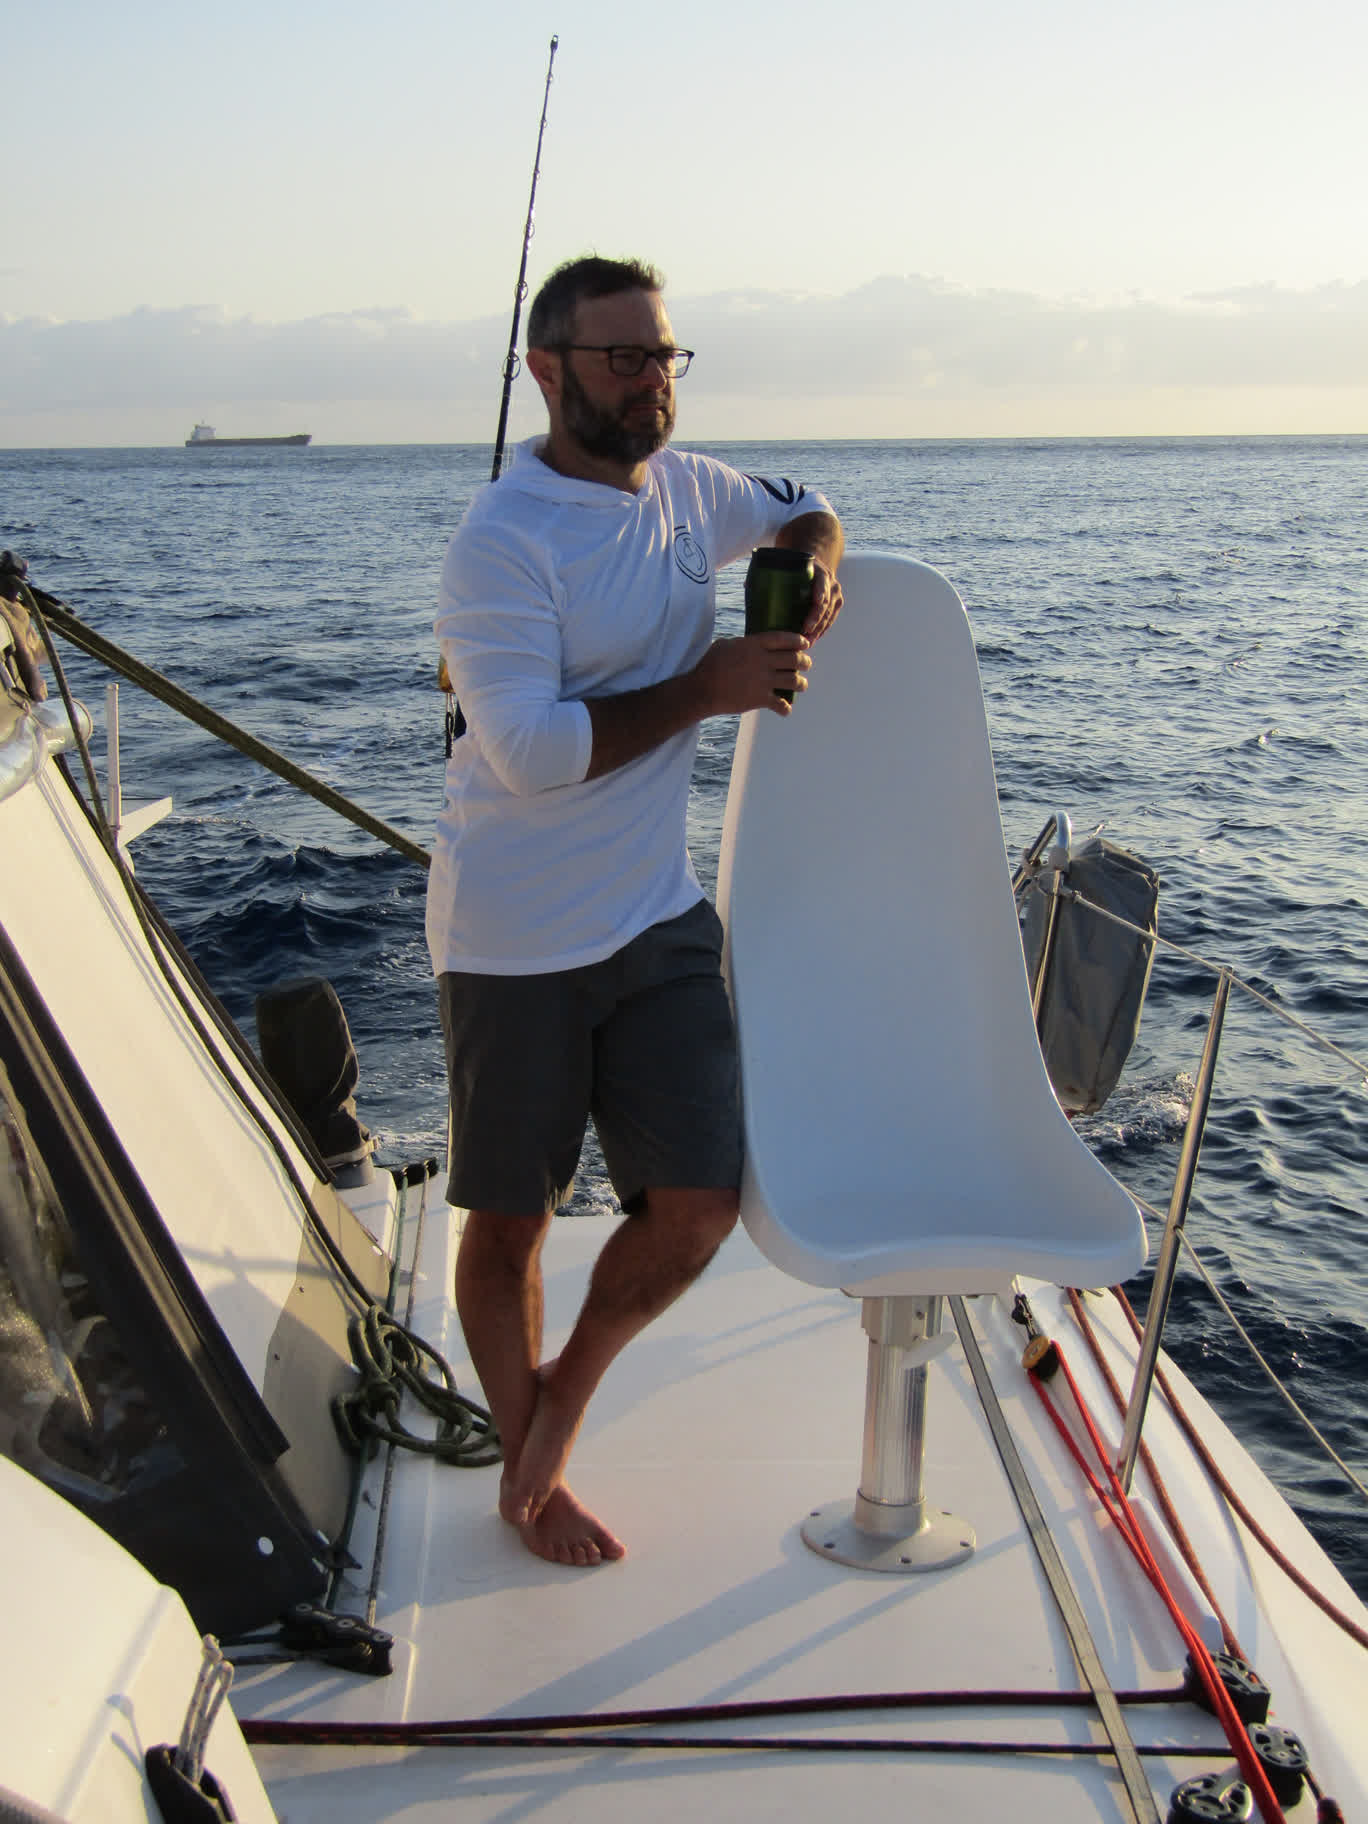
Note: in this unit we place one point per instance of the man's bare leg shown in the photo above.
(647, 1262)
(499, 1299)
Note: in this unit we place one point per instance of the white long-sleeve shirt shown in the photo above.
(555, 590)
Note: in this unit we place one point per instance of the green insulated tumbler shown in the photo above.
(778, 593)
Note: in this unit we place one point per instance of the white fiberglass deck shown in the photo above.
(711, 1438)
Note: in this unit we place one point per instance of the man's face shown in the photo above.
(611, 417)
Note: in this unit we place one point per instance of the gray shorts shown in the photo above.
(643, 1042)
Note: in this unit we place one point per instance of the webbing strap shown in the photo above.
(1133, 1777)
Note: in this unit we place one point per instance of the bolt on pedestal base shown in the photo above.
(939, 1541)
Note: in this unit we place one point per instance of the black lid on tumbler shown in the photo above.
(780, 557)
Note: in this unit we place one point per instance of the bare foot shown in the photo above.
(565, 1532)
(540, 1469)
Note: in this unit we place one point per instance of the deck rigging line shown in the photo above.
(1238, 1507)
(596, 1729)
(1113, 1499)
(1139, 1792)
(1151, 1468)
(358, 1735)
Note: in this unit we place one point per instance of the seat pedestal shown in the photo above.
(889, 1525)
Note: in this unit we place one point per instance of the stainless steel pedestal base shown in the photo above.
(941, 1540)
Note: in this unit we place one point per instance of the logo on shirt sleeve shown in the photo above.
(690, 555)
(783, 490)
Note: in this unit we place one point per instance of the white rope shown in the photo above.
(211, 1687)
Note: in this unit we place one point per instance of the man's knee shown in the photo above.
(493, 1242)
(705, 1217)
(719, 1218)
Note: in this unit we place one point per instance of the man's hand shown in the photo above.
(827, 600)
(737, 675)
(820, 535)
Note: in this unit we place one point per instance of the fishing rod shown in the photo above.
(512, 364)
(453, 721)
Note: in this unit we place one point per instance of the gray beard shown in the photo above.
(602, 434)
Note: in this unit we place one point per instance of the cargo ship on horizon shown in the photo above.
(204, 437)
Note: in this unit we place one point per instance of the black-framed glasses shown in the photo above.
(627, 360)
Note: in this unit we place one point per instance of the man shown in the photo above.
(578, 962)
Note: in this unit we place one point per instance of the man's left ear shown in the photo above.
(542, 365)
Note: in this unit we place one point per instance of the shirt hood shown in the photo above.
(530, 475)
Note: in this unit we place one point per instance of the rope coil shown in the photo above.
(390, 1360)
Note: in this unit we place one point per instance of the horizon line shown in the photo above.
(300, 452)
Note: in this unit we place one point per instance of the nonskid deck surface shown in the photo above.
(710, 1440)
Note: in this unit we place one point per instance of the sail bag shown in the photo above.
(1097, 971)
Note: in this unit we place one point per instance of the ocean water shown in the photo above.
(1173, 640)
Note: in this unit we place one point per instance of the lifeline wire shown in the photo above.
(1253, 1349)
(1232, 1498)
(165, 691)
(1268, 1369)
(1191, 956)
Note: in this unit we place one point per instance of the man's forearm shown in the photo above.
(633, 722)
(819, 534)
(731, 677)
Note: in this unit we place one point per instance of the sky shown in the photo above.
(875, 220)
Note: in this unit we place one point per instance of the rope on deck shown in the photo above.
(1139, 1792)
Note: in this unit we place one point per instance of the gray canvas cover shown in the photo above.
(1098, 974)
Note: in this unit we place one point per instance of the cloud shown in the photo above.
(174, 358)
(904, 343)
(905, 335)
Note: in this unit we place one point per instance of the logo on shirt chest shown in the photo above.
(690, 555)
